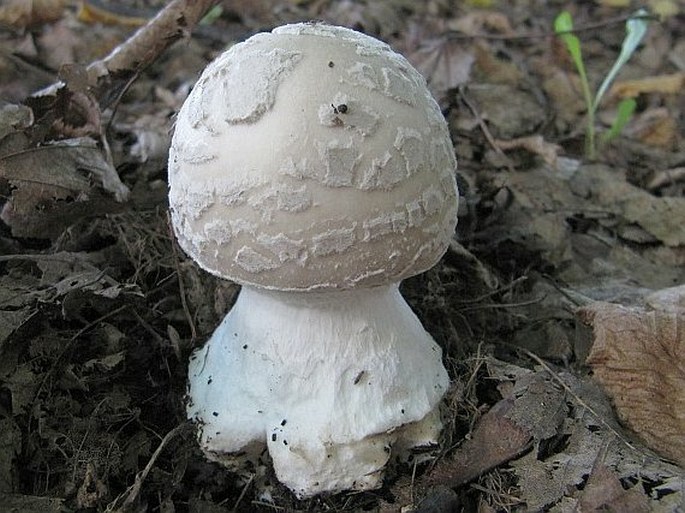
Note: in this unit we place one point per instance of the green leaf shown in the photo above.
(636, 28)
(624, 114)
(563, 25)
(213, 15)
(563, 22)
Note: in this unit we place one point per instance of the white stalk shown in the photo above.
(331, 382)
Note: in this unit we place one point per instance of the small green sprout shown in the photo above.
(636, 27)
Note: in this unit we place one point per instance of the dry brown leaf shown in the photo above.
(604, 492)
(494, 69)
(446, 63)
(14, 118)
(92, 491)
(534, 144)
(57, 44)
(21, 13)
(662, 217)
(637, 357)
(481, 22)
(496, 439)
(49, 191)
(666, 8)
(655, 127)
(111, 13)
(563, 90)
(662, 84)
(671, 299)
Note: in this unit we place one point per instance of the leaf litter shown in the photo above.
(563, 277)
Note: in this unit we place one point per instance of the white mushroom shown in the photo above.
(311, 165)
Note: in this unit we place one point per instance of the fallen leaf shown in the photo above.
(532, 410)
(49, 180)
(10, 448)
(495, 70)
(665, 8)
(446, 62)
(663, 217)
(671, 299)
(604, 492)
(21, 13)
(563, 90)
(22, 383)
(92, 491)
(662, 84)
(545, 480)
(655, 127)
(58, 44)
(496, 439)
(535, 144)
(111, 14)
(540, 405)
(31, 503)
(615, 3)
(481, 22)
(636, 356)
(14, 118)
(106, 363)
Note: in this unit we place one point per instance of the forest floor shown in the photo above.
(559, 306)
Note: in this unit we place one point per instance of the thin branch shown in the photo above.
(140, 50)
(131, 494)
(112, 73)
(588, 27)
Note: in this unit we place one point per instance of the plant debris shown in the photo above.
(561, 292)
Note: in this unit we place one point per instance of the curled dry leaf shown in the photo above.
(444, 61)
(637, 357)
(656, 127)
(481, 22)
(21, 14)
(662, 84)
(535, 144)
(52, 186)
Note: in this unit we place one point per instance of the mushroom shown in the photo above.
(311, 165)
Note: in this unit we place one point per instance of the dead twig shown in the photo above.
(587, 27)
(173, 22)
(484, 128)
(131, 494)
(111, 74)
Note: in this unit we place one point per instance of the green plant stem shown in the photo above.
(590, 148)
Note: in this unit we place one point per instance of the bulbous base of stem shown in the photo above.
(332, 383)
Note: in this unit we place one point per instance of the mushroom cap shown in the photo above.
(312, 157)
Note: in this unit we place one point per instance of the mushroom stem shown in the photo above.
(323, 379)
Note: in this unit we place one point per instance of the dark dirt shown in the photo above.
(99, 310)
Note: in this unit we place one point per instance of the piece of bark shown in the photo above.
(637, 356)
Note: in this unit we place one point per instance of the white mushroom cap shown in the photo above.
(312, 157)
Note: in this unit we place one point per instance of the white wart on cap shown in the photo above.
(312, 157)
